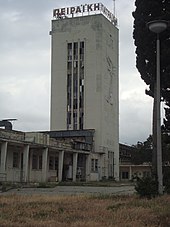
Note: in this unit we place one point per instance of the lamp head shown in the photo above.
(157, 26)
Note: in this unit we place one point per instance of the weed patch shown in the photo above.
(90, 211)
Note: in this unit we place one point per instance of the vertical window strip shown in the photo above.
(69, 84)
(81, 86)
(75, 85)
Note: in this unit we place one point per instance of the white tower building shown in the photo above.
(84, 80)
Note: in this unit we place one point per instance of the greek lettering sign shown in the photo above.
(83, 10)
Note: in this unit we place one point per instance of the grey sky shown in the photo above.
(25, 67)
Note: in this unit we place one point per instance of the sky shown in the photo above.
(25, 64)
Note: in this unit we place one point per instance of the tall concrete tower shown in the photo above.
(84, 79)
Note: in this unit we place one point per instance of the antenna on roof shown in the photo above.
(114, 7)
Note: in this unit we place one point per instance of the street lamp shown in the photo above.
(158, 26)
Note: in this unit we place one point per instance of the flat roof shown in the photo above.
(71, 133)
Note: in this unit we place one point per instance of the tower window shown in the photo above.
(69, 51)
(76, 51)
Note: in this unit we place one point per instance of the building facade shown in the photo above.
(34, 157)
(56, 156)
(84, 85)
(128, 169)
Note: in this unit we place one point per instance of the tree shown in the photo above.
(143, 152)
(165, 148)
(145, 41)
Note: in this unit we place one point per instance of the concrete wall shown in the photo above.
(135, 171)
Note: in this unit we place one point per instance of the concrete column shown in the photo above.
(106, 164)
(100, 163)
(45, 165)
(60, 170)
(3, 156)
(116, 162)
(26, 162)
(87, 167)
(75, 156)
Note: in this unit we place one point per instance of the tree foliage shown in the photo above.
(145, 42)
(143, 152)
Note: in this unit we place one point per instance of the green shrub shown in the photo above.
(166, 179)
(3, 189)
(167, 186)
(147, 187)
(46, 185)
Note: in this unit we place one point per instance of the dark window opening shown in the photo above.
(15, 160)
(36, 162)
(125, 175)
(40, 162)
(75, 51)
(69, 48)
(53, 163)
(94, 165)
(69, 118)
(56, 163)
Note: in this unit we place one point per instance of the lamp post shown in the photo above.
(158, 26)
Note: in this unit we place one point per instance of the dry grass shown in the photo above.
(83, 211)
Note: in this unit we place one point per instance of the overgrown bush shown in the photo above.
(46, 185)
(166, 179)
(147, 187)
(167, 186)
